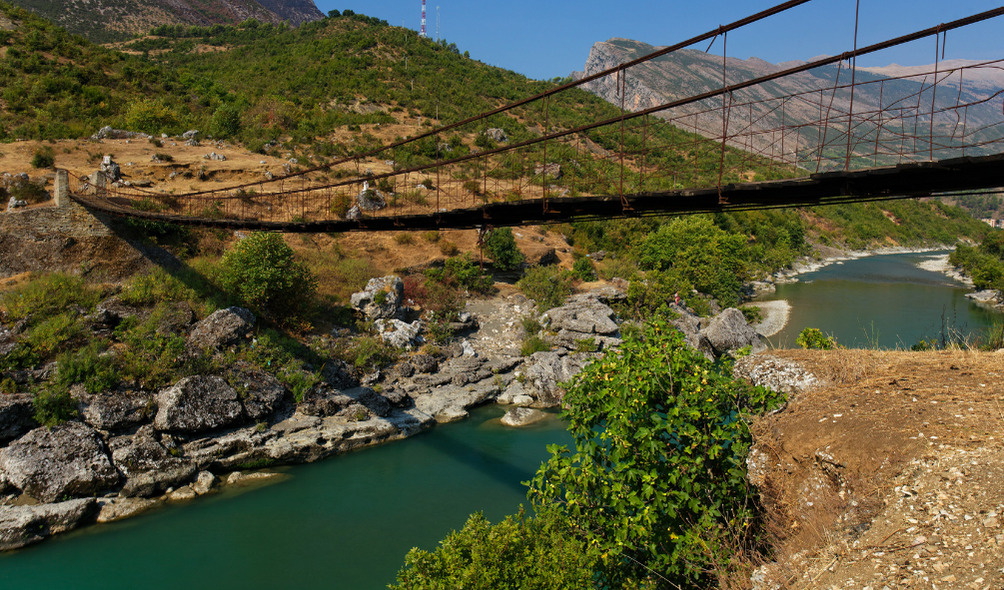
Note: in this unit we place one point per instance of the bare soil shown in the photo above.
(888, 474)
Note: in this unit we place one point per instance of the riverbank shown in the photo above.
(882, 470)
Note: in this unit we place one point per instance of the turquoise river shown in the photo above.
(347, 522)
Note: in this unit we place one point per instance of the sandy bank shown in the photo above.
(775, 316)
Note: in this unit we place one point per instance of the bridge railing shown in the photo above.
(744, 131)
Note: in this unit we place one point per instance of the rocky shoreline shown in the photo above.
(130, 451)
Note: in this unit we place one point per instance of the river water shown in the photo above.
(887, 301)
(347, 522)
(342, 523)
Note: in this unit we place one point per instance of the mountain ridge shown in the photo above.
(117, 20)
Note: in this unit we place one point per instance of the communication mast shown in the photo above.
(422, 33)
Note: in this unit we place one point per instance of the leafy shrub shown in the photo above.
(752, 314)
(262, 271)
(44, 157)
(533, 344)
(583, 270)
(547, 285)
(86, 365)
(501, 248)
(150, 116)
(226, 122)
(519, 552)
(657, 476)
(813, 339)
(53, 406)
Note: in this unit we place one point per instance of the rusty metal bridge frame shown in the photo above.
(638, 162)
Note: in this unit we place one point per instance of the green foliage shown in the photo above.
(501, 248)
(658, 470)
(150, 116)
(654, 293)
(86, 365)
(262, 271)
(518, 553)
(532, 344)
(368, 353)
(43, 157)
(752, 313)
(583, 270)
(984, 264)
(226, 122)
(53, 406)
(153, 355)
(547, 285)
(48, 294)
(813, 339)
(282, 356)
(700, 252)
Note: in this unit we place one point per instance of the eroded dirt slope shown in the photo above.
(889, 473)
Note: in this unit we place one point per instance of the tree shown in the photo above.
(501, 247)
(519, 552)
(263, 272)
(657, 478)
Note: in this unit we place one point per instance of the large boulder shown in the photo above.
(150, 469)
(544, 371)
(583, 320)
(68, 460)
(24, 525)
(222, 328)
(381, 299)
(198, 404)
(17, 415)
(261, 393)
(115, 409)
(518, 417)
(400, 334)
(729, 331)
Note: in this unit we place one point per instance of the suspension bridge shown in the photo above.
(746, 144)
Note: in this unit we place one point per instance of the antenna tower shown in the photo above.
(422, 33)
(437, 23)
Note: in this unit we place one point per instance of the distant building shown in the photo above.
(998, 223)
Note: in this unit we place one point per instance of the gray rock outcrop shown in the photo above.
(68, 460)
(115, 410)
(381, 299)
(583, 321)
(400, 334)
(497, 135)
(149, 467)
(729, 331)
(24, 525)
(221, 328)
(17, 415)
(261, 393)
(198, 404)
(775, 373)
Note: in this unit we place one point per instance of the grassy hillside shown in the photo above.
(326, 88)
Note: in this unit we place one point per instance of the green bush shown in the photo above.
(54, 405)
(547, 285)
(533, 344)
(87, 366)
(262, 271)
(583, 270)
(813, 339)
(520, 552)
(46, 295)
(657, 479)
(44, 157)
(501, 248)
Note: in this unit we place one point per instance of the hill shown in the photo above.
(117, 20)
(689, 72)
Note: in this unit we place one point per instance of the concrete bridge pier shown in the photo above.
(61, 194)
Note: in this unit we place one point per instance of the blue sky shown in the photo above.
(543, 39)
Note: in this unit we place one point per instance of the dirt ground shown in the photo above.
(889, 473)
(384, 252)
